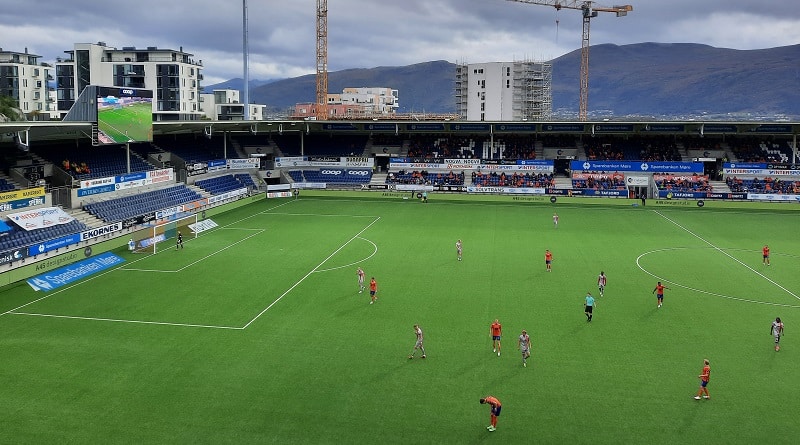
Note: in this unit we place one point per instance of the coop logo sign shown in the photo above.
(358, 172)
(330, 172)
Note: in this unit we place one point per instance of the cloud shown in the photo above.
(369, 33)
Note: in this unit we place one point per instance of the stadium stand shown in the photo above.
(130, 206)
(683, 183)
(18, 237)
(321, 144)
(5, 185)
(85, 161)
(598, 181)
(193, 148)
(765, 185)
(226, 183)
(751, 149)
(423, 177)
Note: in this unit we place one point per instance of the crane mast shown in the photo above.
(589, 10)
(322, 60)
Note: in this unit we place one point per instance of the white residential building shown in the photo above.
(504, 91)
(224, 105)
(173, 76)
(24, 78)
(377, 100)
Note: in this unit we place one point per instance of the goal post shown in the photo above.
(147, 239)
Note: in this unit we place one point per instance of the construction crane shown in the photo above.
(322, 60)
(589, 11)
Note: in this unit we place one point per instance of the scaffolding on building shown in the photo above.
(533, 91)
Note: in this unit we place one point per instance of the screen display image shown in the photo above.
(124, 115)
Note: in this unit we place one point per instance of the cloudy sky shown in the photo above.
(370, 33)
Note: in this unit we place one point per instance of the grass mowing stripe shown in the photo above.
(727, 255)
(310, 272)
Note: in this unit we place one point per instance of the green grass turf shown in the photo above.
(131, 122)
(321, 365)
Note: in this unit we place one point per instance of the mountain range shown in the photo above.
(645, 79)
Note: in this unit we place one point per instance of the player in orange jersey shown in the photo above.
(704, 376)
(659, 291)
(548, 260)
(373, 290)
(765, 255)
(494, 411)
(496, 330)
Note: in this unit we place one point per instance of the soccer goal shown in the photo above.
(147, 239)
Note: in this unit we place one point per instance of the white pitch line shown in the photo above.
(354, 263)
(701, 291)
(727, 255)
(310, 272)
(162, 323)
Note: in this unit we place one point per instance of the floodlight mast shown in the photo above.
(322, 60)
(245, 62)
(589, 11)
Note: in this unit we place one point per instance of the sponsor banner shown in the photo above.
(291, 161)
(67, 274)
(202, 226)
(374, 186)
(217, 165)
(671, 128)
(279, 195)
(719, 128)
(463, 161)
(625, 166)
(512, 190)
(670, 194)
(773, 197)
(691, 178)
(239, 164)
(783, 167)
(399, 160)
(381, 127)
(309, 185)
(17, 195)
(324, 159)
(613, 128)
(54, 244)
(334, 173)
(515, 127)
(166, 213)
(772, 128)
(592, 192)
(746, 165)
(358, 162)
(194, 205)
(637, 180)
(598, 176)
(712, 195)
(227, 195)
(21, 204)
(425, 127)
(358, 173)
(13, 255)
(563, 128)
(535, 162)
(760, 172)
(278, 187)
(131, 184)
(450, 188)
(325, 164)
(88, 183)
(131, 177)
(96, 190)
(413, 188)
(480, 128)
(539, 168)
(100, 231)
(164, 174)
(198, 168)
(459, 166)
(150, 241)
(339, 126)
(38, 219)
(141, 219)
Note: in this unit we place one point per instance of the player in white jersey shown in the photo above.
(777, 332)
(555, 220)
(459, 250)
(524, 345)
(601, 283)
(418, 344)
(360, 274)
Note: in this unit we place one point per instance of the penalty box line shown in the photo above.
(727, 255)
(357, 235)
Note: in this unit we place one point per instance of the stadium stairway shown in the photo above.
(563, 182)
(378, 178)
(719, 186)
(85, 217)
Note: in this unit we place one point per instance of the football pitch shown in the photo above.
(256, 332)
(128, 123)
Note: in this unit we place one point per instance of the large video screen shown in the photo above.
(124, 115)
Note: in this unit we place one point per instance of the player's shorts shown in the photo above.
(496, 410)
(777, 339)
(589, 309)
(601, 287)
(496, 337)
(372, 292)
(526, 352)
(660, 296)
(418, 344)
(548, 261)
(766, 256)
(703, 383)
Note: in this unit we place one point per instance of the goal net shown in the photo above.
(148, 239)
